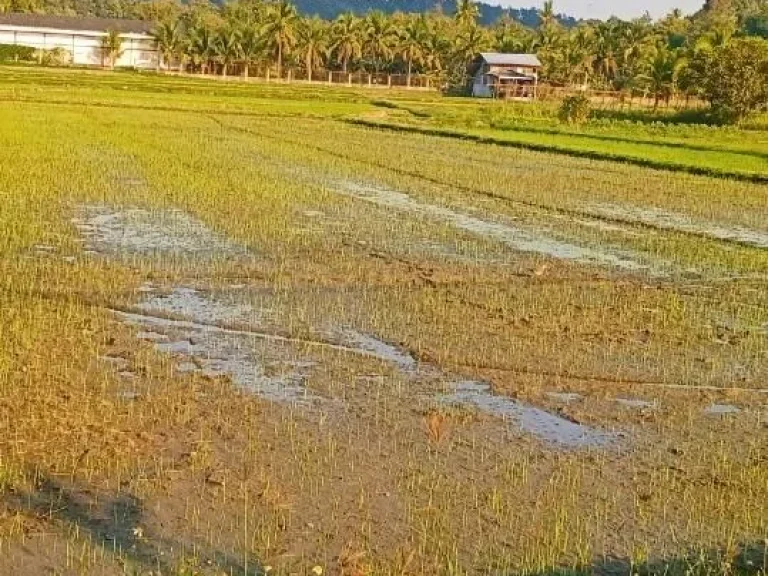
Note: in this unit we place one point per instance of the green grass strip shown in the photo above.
(566, 151)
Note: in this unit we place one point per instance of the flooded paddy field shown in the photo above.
(236, 346)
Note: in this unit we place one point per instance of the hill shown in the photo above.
(488, 14)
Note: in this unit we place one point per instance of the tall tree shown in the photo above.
(346, 39)
(380, 39)
(467, 13)
(170, 42)
(280, 30)
(662, 73)
(227, 48)
(202, 47)
(111, 47)
(251, 48)
(313, 43)
(414, 40)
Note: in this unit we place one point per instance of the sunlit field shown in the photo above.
(242, 334)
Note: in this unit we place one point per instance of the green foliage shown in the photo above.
(111, 47)
(54, 57)
(575, 109)
(674, 56)
(736, 81)
(11, 53)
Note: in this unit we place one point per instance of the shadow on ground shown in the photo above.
(750, 559)
(116, 522)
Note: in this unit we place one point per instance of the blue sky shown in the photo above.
(606, 8)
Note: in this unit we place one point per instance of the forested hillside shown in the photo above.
(488, 14)
(329, 9)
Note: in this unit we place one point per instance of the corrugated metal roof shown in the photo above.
(84, 23)
(499, 59)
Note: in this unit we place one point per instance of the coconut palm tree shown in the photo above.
(437, 50)
(547, 16)
(280, 30)
(251, 48)
(606, 63)
(346, 39)
(170, 42)
(227, 48)
(111, 47)
(380, 39)
(467, 13)
(662, 74)
(202, 47)
(580, 55)
(313, 43)
(469, 43)
(413, 42)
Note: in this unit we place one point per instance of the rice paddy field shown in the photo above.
(242, 333)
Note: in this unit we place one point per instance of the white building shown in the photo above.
(81, 37)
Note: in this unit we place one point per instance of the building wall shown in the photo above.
(84, 46)
(480, 87)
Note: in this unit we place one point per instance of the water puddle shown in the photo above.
(228, 353)
(516, 238)
(202, 308)
(721, 409)
(544, 425)
(565, 397)
(637, 404)
(134, 231)
(681, 223)
(381, 350)
(204, 347)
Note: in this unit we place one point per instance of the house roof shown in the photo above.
(499, 59)
(76, 23)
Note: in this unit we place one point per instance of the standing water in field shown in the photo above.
(681, 223)
(267, 368)
(124, 232)
(219, 336)
(515, 238)
(544, 425)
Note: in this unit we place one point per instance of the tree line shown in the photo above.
(719, 54)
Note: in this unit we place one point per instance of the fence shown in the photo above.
(601, 99)
(626, 100)
(358, 79)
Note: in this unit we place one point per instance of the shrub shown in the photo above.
(54, 57)
(575, 109)
(736, 82)
(12, 53)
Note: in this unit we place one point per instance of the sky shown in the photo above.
(607, 8)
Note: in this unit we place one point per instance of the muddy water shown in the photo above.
(637, 403)
(267, 369)
(134, 231)
(516, 238)
(721, 409)
(544, 425)
(681, 223)
(196, 328)
(380, 349)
